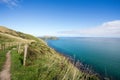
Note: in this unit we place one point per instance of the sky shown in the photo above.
(75, 18)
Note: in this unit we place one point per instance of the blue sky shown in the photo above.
(62, 17)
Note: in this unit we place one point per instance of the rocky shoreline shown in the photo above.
(82, 67)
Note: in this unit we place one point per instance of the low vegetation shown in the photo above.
(2, 59)
(42, 62)
(3, 56)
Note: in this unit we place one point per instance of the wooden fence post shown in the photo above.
(19, 46)
(25, 54)
(3, 46)
(0, 47)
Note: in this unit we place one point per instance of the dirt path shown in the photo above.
(5, 73)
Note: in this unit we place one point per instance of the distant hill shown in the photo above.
(49, 38)
(42, 62)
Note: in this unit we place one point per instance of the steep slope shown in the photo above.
(16, 33)
(42, 62)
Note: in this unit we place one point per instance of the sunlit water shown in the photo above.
(102, 54)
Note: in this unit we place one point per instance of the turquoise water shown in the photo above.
(102, 54)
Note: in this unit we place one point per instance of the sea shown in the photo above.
(101, 54)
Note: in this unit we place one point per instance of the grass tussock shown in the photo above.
(46, 65)
(2, 58)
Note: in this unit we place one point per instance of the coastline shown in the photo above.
(79, 65)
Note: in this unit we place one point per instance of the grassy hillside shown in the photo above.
(42, 62)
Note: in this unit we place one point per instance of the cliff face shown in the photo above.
(42, 62)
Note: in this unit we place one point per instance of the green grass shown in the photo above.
(18, 71)
(2, 58)
(47, 65)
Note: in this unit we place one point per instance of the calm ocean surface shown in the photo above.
(102, 54)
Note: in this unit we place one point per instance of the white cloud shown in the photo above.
(10, 3)
(107, 29)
